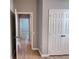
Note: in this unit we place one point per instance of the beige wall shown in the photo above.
(50, 4)
(39, 23)
(28, 6)
(11, 6)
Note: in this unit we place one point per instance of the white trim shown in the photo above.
(58, 54)
(45, 55)
(35, 49)
(25, 12)
(16, 19)
(42, 55)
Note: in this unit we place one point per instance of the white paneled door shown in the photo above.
(58, 38)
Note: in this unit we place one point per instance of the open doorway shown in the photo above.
(24, 27)
(23, 32)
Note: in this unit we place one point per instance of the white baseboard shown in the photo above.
(42, 55)
(35, 49)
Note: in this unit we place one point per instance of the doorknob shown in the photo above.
(62, 35)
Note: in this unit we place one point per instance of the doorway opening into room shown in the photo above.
(24, 27)
(24, 33)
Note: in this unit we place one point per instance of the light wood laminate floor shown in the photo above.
(27, 53)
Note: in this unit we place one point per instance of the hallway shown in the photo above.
(27, 53)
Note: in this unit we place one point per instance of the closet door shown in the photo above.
(58, 40)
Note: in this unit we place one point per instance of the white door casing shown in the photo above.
(16, 22)
(58, 37)
(17, 33)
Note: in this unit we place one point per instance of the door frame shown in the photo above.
(31, 25)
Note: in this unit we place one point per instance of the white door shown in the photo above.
(58, 38)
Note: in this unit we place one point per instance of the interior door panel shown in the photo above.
(58, 32)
